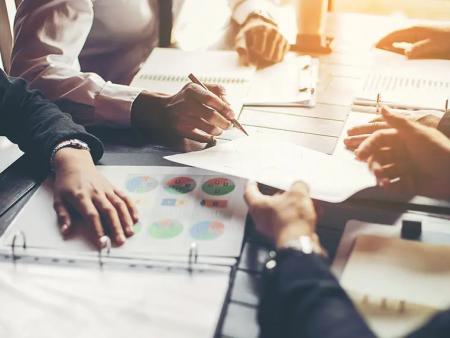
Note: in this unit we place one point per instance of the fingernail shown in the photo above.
(64, 228)
(102, 241)
(120, 239)
(129, 231)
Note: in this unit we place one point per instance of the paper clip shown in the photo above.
(106, 247)
(19, 234)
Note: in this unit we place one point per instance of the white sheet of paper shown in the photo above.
(177, 206)
(353, 119)
(279, 164)
(279, 84)
(58, 301)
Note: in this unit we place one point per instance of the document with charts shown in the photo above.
(408, 84)
(177, 206)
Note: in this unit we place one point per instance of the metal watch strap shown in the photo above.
(306, 245)
(73, 143)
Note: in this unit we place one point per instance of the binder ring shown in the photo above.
(107, 247)
(193, 255)
(19, 234)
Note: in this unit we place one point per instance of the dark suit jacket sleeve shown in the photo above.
(36, 124)
(302, 299)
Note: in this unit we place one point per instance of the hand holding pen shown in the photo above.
(231, 117)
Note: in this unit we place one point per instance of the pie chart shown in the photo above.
(218, 186)
(165, 229)
(207, 230)
(141, 184)
(180, 185)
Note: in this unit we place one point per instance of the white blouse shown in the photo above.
(84, 53)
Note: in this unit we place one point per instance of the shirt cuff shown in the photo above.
(113, 105)
(243, 9)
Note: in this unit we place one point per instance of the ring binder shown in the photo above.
(107, 246)
(18, 234)
(193, 255)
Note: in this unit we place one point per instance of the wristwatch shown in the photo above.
(305, 244)
(73, 143)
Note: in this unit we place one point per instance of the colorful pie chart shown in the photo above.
(218, 186)
(141, 184)
(165, 229)
(207, 230)
(180, 185)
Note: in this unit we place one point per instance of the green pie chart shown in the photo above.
(218, 186)
(165, 229)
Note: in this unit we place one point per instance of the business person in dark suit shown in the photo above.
(53, 140)
(301, 297)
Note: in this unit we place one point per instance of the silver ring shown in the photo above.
(19, 234)
(106, 246)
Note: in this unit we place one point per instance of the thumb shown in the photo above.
(422, 50)
(398, 121)
(244, 57)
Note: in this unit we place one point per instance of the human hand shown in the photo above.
(357, 134)
(79, 187)
(284, 216)
(193, 113)
(260, 43)
(426, 42)
(409, 157)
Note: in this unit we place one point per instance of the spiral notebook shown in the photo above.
(166, 71)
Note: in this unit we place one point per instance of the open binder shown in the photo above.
(18, 252)
(168, 299)
(185, 214)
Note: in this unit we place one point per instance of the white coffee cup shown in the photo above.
(311, 16)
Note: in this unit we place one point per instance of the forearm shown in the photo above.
(35, 124)
(303, 300)
(50, 62)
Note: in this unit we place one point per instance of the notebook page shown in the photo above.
(166, 71)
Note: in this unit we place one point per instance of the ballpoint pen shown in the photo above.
(378, 103)
(194, 79)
